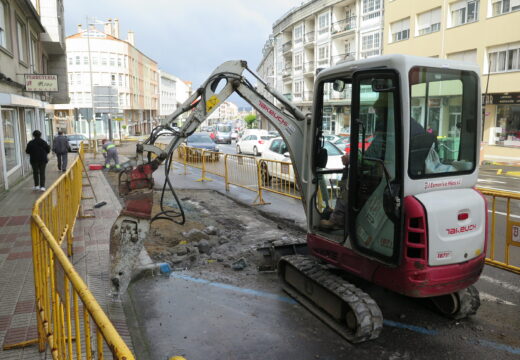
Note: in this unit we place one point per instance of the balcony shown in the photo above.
(308, 68)
(287, 47)
(309, 38)
(287, 71)
(308, 95)
(348, 56)
(344, 26)
(298, 95)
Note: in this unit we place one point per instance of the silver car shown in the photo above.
(75, 140)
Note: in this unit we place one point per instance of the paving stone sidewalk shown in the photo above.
(91, 259)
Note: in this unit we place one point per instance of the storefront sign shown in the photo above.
(41, 83)
(503, 98)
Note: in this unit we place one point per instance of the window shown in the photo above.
(71, 79)
(464, 12)
(429, 22)
(104, 61)
(85, 60)
(298, 61)
(400, 30)
(298, 34)
(33, 54)
(94, 60)
(3, 24)
(11, 140)
(78, 78)
(298, 89)
(323, 55)
(371, 9)
(113, 80)
(466, 56)
(78, 61)
(21, 36)
(71, 60)
(323, 23)
(120, 80)
(499, 7)
(112, 61)
(506, 58)
(118, 61)
(370, 45)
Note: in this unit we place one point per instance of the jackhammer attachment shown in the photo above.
(341, 305)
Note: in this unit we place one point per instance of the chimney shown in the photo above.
(107, 29)
(130, 38)
(116, 28)
(80, 28)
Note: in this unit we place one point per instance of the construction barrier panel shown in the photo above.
(70, 321)
(503, 254)
(242, 171)
(278, 177)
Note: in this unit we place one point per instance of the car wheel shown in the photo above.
(255, 151)
(238, 150)
(264, 173)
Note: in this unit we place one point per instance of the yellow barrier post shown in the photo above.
(259, 176)
(226, 174)
(203, 177)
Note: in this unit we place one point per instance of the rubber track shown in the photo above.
(367, 312)
(469, 303)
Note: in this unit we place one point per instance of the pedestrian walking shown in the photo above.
(61, 148)
(110, 153)
(38, 149)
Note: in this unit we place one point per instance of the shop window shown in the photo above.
(508, 124)
(11, 140)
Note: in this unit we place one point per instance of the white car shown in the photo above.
(252, 144)
(75, 140)
(282, 168)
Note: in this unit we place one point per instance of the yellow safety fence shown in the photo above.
(70, 321)
(503, 254)
(278, 177)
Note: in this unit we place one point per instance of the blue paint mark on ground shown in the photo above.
(236, 288)
(414, 328)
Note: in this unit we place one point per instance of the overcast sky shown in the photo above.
(188, 38)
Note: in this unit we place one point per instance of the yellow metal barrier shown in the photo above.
(63, 323)
(277, 177)
(512, 236)
(242, 171)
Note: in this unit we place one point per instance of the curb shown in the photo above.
(150, 270)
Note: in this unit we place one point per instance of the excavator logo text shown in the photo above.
(271, 112)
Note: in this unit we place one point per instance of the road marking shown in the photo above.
(513, 173)
(504, 284)
(499, 172)
(504, 214)
(488, 297)
(491, 181)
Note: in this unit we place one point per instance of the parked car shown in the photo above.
(277, 150)
(345, 143)
(75, 140)
(223, 133)
(234, 135)
(198, 142)
(253, 142)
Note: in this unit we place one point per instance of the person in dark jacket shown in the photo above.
(38, 150)
(61, 148)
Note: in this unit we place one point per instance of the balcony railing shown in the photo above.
(287, 46)
(344, 25)
(287, 71)
(369, 53)
(323, 62)
(298, 95)
(308, 67)
(324, 30)
(298, 67)
(309, 37)
(308, 95)
(348, 56)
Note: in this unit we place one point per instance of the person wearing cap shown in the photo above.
(110, 153)
(38, 150)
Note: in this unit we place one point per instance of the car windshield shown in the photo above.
(343, 140)
(266, 137)
(75, 137)
(224, 128)
(332, 150)
(199, 139)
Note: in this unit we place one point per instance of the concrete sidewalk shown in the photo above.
(91, 260)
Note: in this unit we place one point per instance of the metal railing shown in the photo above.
(70, 329)
(512, 235)
(308, 67)
(277, 177)
(287, 46)
(344, 25)
(347, 56)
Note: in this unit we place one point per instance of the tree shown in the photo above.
(250, 120)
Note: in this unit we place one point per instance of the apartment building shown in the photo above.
(172, 93)
(112, 80)
(225, 112)
(319, 34)
(485, 32)
(33, 74)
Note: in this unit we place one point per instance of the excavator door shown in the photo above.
(375, 176)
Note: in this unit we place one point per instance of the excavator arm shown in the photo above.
(136, 182)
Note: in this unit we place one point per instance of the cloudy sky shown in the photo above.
(188, 38)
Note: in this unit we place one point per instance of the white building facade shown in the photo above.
(112, 78)
(319, 34)
(225, 112)
(172, 93)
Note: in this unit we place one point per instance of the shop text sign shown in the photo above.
(41, 82)
(502, 98)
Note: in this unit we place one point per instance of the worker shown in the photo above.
(110, 152)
